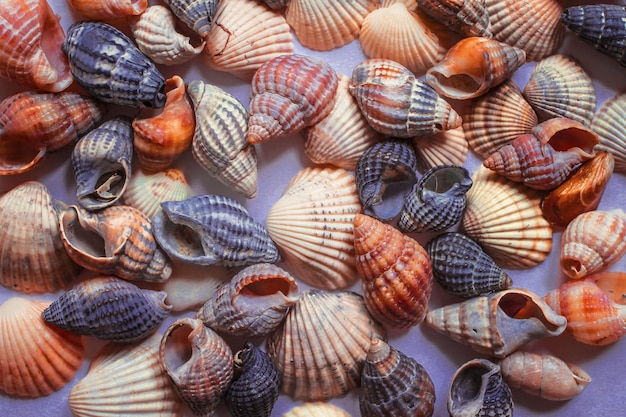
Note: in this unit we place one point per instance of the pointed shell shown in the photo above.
(198, 15)
(466, 17)
(108, 9)
(608, 123)
(443, 148)
(316, 409)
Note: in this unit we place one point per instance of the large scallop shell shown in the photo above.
(316, 409)
(443, 148)
(608, 123)
(196, 14)
(466, 17)
(36, 359)
(108, 9)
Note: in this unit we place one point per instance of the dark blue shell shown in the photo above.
(196, 14)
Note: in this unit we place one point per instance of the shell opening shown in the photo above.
(521, 306)
(443, 183)
(456, 85)
(178, 350)
(52, 35)
(188, 243)
(82, 238)
(468, 384)
(573, 137)
(16, 157)
(572, 267)
(110, 185)
(267, 286)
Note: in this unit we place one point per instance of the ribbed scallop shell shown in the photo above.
(30, 53)
(36, 359)
(108, 9)
(316, 409)
(466, 17)
(219, 142)
(560, 87)
(312, 224)
(443, 148)
(322, 344)
(608, 123)
(240, 46)
(33, 258)
(505, 219)
(126, 380)
(196, 14)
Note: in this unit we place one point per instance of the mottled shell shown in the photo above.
(462, 268)
(499, 323)
(219, 142)
(316, 409)
(126, 380)
(313, 225)
(101, 161)
(466, 17)
(30, 53)
(253, 303)
(108, 65)
(108, 9)
(608, 123)
(33, 258)
(394, 384)
(443, 148)
(36, 359)
(289, 93)
(110, 309)
(196, 14)
(544, 375)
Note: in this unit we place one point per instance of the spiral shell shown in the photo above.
(196, 14)
(108, 9)
(468, 17)
(608, 124)
(443, 148)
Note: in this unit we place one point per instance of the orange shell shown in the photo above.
(108, 9)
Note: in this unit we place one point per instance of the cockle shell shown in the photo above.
(462, 268)
(394, 384)
(473, 66)
(322, 344)
(36, 359)
(196, 14)
(212, 230)
(30, 53)
(499, 323)
(313, 225)
(33, 258)
(199, 363)
(592, 241)
(108, 65)
(443, 148)
(289, 93)
(101, 161)
(316, 409)
(253, 303)
(116, 240)
(110, 309)
(219, 141)
(609, 125)
(395, 103)
(478, 389)
(126, 380)
(544, 375)
(466, 17)
(108, 9)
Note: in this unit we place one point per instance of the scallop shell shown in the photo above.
(196, 14)
(608, 124)
(444, 148)
(33, 258)
(219, 142)
(466, 17)
(316, 409)
(108, 9)
(300, 90)
(126, 380)
(30, 53)
(36, 359)
(240, 46)
(322, 344)
(505, 219)
(312, 224)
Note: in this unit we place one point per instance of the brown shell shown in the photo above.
(466, 17)
(108, 9)
(608, 123)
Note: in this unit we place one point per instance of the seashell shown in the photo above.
(342, 136)
(109, 309)
(478, 389)
(505, 219)
(161, 139)
(300, 89)
(126, 380)
(240, 46)
(190, 286)
(36, 359)
(313, 225)
(466, 17)
(581, 192)
(276, 4)
(199, 363)
(385, 170)
(321, 346)
(393, 383)
(545, 158)
(395, 103)
(108, 9)
(325, 24)
(608, 124)
(497, 118)
(116, 240)
(101, 161)
(212, 230)
(560, 87)
(593, 241)
(108, 65)
(462, 268)
(30, 53)
(443, 148)
(196, 14)
(33, 258)
(499, 323)
(437, 201)
(544, 375)
(601, 25)
(316, 409)
(255, 386)
(473, 66)
(157, 35)
(253, 303)
(146, 191)
(219, 142)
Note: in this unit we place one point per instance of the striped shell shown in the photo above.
(608, 124)
(196, 14)
(108, 9)
(468, 17)
(443, 148)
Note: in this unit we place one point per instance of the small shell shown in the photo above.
(608, 123)
(544, 375)
(466, 17)
(108, 9)
(196, 14)
(443, 148)
(108, 65)
(36, 359)
(316, 409)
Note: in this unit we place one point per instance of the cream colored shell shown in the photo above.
(608, 123)
(316, 409)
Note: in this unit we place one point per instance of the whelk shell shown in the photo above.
(196, 14)
(443, 148)
(316, 409)
(466, 17)
(108, 9)
(609, 125)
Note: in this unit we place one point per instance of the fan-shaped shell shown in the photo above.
(108, 9)
(443, 148)
(196, 14)
(608, 123)
(316, 409)
(466, 17)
